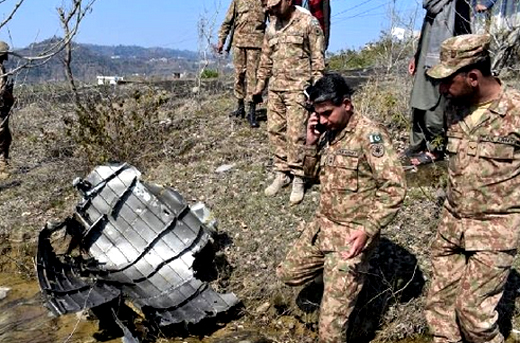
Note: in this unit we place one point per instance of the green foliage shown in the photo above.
(386, 100)
(387, 52)
(119, 128)
(209, 74)
(351, 59)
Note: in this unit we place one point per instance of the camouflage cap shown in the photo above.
(271, 3)
(4, 48)
(458, 52)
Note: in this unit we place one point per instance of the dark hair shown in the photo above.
(331, 87)
(484, 66)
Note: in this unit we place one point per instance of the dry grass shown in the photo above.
(255, 231)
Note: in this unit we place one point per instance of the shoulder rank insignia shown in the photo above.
(377, 150)
(375, 138)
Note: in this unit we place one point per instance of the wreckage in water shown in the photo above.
(129, 239)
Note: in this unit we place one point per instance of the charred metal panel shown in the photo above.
(138, 240)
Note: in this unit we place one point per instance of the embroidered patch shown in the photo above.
(502, 140)
(375, 138)
(349, 153)
(377, 150)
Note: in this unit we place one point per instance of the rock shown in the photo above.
(263, 308)
(82, 315)
(3, 292)
(224, 168)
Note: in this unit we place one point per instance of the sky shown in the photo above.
(173, 23)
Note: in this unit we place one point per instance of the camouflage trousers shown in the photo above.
(286, 120)
(343, 279)
(246, 62)
(466, 287)
(5, 136)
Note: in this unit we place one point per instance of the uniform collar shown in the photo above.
(501, 105)
(295, 17)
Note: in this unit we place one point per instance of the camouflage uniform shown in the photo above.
(292, 58)
(247, 19)
(362, 187)
(477, 238)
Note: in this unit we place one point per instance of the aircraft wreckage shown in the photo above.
(130, 239)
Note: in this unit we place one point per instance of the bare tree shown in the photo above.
(397, 47)
(502, 22)
(73, 14)
(205, 27)
(70, 19)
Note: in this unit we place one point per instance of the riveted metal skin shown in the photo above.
(137, 240)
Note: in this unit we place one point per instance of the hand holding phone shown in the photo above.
(314, 129)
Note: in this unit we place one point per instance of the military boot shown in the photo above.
(298, 188)
(281, 180)
(251, 115)
(240, 111)
(4, 173)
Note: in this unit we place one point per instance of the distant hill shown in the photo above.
(90, 60)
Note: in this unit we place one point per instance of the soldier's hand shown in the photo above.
(357, 239)
(313, 135)
(480, 8)
(220, 47)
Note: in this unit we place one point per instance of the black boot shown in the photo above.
(251, 115)
(240, 111)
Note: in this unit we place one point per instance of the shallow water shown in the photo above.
(23, 319)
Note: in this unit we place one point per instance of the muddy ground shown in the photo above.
(182, 146)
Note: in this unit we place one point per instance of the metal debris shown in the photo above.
(132, 239)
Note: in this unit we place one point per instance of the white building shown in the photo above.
(109, 80)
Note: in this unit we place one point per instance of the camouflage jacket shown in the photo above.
(248, 17)
(292, 56)
(484, 168)
(362, 180)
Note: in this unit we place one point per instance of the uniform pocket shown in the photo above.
(294, 46)
(345, 173)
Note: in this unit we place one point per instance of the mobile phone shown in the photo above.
(320, 128)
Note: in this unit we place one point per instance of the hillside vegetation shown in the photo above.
(180, 141)
(91, 60)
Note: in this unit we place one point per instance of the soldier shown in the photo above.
(321, 10)
(292, 58)
(247, 19)
(477, 238)
(6, 102)
(362, 187)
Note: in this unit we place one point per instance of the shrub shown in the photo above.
(209, 74)
(111, 127)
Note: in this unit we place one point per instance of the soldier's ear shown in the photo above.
(347, 104)
(473, 76)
